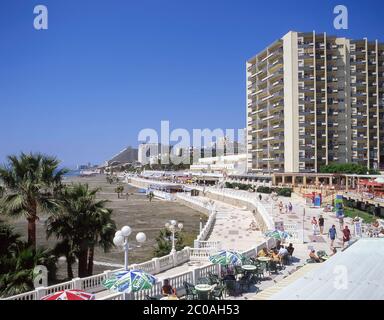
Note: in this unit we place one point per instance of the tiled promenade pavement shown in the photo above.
(232, 228)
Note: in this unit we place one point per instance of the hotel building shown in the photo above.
(315, 99)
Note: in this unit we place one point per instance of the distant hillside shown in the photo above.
(127, 155)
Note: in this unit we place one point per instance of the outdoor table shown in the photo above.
(169, 298)
(264, 259)
(249, 267)
(203, 291)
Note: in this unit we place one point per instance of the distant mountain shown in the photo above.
(127, 155)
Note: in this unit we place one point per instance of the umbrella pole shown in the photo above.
(126, 246)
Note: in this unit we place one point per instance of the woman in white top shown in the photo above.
(314, 225)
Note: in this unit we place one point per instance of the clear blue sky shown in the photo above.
(84, 88)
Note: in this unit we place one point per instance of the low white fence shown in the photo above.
(199, 254)
(201, 239)
(296, 233)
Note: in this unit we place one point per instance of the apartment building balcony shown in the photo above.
(307, 78)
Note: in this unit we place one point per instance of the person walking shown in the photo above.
(290, 207)
(260, 197)
(281, 207)
(314, 225)
(341, 222)
(321, 224)
(346, 235)
(332, 234)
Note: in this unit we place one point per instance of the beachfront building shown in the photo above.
(314, 99)
(234, 164)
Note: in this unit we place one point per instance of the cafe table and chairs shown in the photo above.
(203, 291)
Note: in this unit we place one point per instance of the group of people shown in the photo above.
(278, 253)
(332, 233)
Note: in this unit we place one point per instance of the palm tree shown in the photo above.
(30, 183)
(164, 242)
(20, 274)
(82, 223)
(17, 262)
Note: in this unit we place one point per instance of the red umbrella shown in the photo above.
(72, 294)
(374, 184)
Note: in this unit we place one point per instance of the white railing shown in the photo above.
(113, 296)
(31, 295)
(204, 272)
(149, 267)
(93, 283)
(182, 256)
(155, 291)
(296, 234)
(58, 287)
(197, 254)
(164, 195)
(208, 245)
(166, 262)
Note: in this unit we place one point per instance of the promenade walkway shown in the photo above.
(232, 227)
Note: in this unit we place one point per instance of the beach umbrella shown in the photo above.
(130, 281)
(72, 294)
(277, 234)
(226, 258)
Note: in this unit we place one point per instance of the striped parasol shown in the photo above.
(278, 234)
(226, 258)
(130, 281)
(72, 294)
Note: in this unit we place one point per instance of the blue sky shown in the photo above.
(104, 70)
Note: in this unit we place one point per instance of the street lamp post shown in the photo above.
(172, 226)
(121, 239)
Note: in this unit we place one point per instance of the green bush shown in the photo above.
(262, 189)
(284, 192)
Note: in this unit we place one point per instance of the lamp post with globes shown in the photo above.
(173, 226)
(121, 239)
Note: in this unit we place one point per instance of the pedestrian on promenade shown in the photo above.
(346, 235)
(314, 225)
(332, 234)
(286, 208)
(290, 207)
(321, 224)
(260, 197)
(281, 207)
(341, 222)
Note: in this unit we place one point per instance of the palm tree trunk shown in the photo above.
(69, 267)
(83, 262)
(91, 254)
(32, 231)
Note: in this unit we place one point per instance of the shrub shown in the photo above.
(262, 189)
(284, 192)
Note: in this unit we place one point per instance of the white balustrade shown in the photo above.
(30, 295)
(93, 283)
(113, 296)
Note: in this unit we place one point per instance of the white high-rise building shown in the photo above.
(314, 99)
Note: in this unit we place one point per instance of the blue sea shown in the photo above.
(72, 173)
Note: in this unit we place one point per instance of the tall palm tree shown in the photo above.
(30, 183)
(82, 223)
